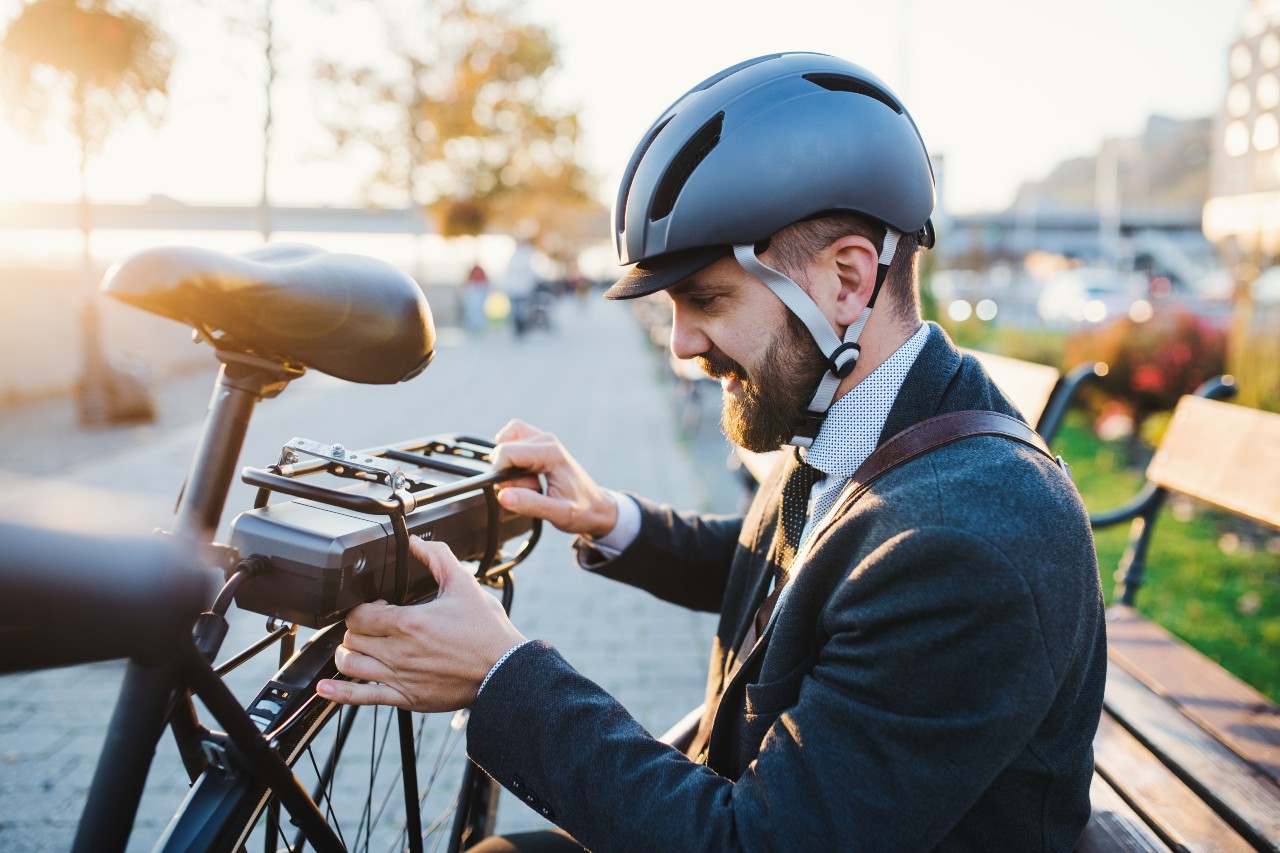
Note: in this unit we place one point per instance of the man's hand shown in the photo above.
(573, 502)
(425, 657)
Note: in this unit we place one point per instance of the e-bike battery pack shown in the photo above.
(325, 560)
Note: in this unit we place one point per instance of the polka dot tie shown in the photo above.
(795, 503)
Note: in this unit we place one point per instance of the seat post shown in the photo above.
(243, 380)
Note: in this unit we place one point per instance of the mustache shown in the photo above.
(718, 366)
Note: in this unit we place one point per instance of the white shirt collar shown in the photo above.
(855, 421)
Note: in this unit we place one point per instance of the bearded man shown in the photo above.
(910, 653)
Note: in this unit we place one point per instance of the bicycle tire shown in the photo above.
(228, 809)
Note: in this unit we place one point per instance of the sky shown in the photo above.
(1002, 90)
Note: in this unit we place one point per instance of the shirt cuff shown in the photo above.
(617, 540)
(499, 663)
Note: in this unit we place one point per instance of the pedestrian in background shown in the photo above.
(474, 292)
(520, 283)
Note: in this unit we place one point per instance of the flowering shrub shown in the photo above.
(1154, 363)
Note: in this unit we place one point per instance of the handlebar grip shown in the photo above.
(74, 598)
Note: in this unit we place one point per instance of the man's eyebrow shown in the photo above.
(682, 287)
(692, 285)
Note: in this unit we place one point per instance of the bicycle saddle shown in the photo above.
(349, 316)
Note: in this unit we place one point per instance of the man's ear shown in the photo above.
(855, 262)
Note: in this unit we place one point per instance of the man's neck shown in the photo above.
(883, 335)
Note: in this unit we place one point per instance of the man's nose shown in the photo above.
(687, 340)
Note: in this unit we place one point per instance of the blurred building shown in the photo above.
(1166, 166)
(1135, 203)
(1242, 214)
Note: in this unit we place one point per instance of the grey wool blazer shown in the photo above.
(933, 679)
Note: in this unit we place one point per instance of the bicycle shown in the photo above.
(272, 778)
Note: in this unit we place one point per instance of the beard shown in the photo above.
(774, 394)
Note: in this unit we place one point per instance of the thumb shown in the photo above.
(439, 560)
(531, 503)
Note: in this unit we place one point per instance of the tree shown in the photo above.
(108, 64)
(459, 123)
(105, 65)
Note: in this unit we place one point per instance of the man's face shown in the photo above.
(741, 334)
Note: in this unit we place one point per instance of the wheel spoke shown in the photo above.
(342, 759)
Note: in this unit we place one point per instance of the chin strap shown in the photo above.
(841, 355)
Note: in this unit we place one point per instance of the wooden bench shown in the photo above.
(1040, 392)
(1187, 756)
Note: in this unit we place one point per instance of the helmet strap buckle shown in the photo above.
(842, 365)
(807, 429)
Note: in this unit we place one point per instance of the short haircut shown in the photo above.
(795, 246)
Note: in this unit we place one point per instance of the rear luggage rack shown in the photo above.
(338, 544)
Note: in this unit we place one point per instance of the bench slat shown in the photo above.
(1242, 795)
(1231, 710)
(1113, 825)
(1225, 454)
(1177, 814)
(1027, 384)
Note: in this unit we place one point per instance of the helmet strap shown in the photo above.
(841, 355)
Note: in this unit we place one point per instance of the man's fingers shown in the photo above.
(439, 560)
(375, 619)
(516, 430)
(536, 455)
(349, 693)
(525, 482)
(359, 665)
(377, 648)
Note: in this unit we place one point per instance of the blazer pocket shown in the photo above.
(770, 698)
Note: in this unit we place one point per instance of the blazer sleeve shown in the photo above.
(923, 691)
(679, 557)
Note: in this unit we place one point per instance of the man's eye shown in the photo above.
(702, 303)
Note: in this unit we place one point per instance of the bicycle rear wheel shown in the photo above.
(348, 759)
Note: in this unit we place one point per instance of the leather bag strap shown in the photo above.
(940, 430)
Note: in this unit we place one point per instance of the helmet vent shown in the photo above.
(843, 83)
(680, 168)
(629, 178)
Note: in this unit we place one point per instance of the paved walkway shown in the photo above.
(594, 380)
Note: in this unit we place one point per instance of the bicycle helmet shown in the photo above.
(759, 146)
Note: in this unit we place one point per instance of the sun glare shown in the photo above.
(35, 171)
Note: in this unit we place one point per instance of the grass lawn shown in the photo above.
(1210, 580)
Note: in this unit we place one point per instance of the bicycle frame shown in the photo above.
(147, 701)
